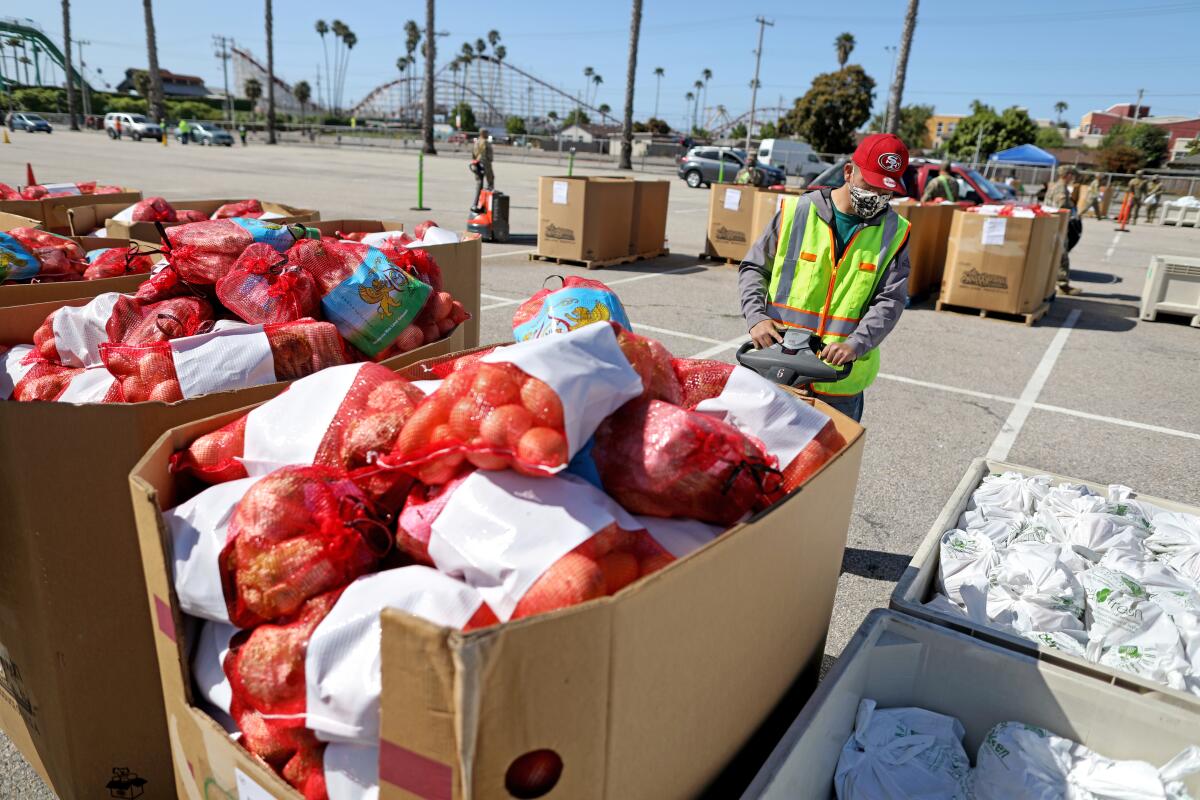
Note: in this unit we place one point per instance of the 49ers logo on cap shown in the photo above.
(890, 162)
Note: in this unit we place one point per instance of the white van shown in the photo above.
(792, 156)
(136, 126)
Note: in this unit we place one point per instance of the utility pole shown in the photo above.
(1137, 109)
(223, 43)
(87, 100)
(762, 25)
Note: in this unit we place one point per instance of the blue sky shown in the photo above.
(1089, 53)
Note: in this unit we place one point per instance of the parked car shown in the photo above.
(136, 126)
(972, 186)
(24, 121)
(209, 133)
(793, 156)
(701, 166)
(458, 137)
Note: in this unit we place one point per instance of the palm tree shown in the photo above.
(339, 30)
(604, 108)
(499, 53)
(323, 29)
(155, 107)
(658, 76)
(707, 75)
(253, 90)
(430, 55)
(66, 9)
(270, 74)
(597, 79)
(467, 57)
(412, 38)
(689, 97)
(1059, 108)
(698, 85)
(350, 40)
(302, 92)
(893, 112)
(635, 31)
(844, 45)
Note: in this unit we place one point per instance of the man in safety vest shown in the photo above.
(835, 263)
(945, 185)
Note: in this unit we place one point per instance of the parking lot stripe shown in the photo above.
(679, 334)
(941, 387)
(1115, 421)
(720, 347)
(511, 253)
(1016, 418)
(487, 296)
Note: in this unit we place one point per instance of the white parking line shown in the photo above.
(941, 387)
(1112, 247)
(679, 334)
(1115, 421)
(511, 253)
(721, 347)
(1016, 419)
(487, 296)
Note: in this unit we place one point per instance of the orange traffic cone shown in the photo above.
(1123, 216)
(6, 141)
(29, 179)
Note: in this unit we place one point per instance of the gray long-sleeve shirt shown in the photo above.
(884, 310)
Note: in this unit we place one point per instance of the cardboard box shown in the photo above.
(919, 583)
(999, 263)
(52, 212)
(78, 689)
(10, 221)
(1060, 244)
(647, 694)
(767, 203)
(19, 294)
(899, 662)
(85, 220)
(585, 219)
(732, 222)
(928, 239)
(649, 223)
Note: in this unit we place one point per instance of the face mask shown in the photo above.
(867, 204)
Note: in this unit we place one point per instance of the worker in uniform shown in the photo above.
(185, 131)
(1093, 198)
(834, 263)
(481, 164)
(1061, 194)
(750, 175)
(945, 186)
(1137, 191)
(1154, 198)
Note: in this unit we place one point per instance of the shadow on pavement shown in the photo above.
(874, 564)
(664, 264)
(1094, 277)
(1095, 314)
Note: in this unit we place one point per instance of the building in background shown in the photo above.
(941, 127)
(1180, 128)
(174, 84)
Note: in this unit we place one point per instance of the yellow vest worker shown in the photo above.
(835, 263)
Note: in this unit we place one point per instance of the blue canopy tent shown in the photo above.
(1025, 154)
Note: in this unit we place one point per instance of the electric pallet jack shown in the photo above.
(489, 215)
(798, 368)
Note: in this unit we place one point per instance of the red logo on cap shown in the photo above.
(890, 162)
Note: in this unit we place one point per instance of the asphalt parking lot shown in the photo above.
(1090, 391)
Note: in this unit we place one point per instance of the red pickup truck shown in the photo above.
(972, 186)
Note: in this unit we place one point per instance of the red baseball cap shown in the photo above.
(882, 159)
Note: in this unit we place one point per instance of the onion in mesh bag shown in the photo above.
(652, 361)
(27, 253)
(263, 286)
(299, 532)
(44, 381)
(113, 262)
(203, 252)
(664, 461)
(239, 208)
(152, 209)
(699, 379)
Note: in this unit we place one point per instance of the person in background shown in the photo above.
(1061, 194)
(1137, 191)
(750, 174)
(834, 263)
(185, 131)
(242, 134)
(117, 126)
(482, 156)
(1154, 192)
(1094, 192)
(944, 186)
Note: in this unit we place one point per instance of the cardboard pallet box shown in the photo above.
(648, 231)
(88, 219)
(10, 221)
(645, 694)
(900, 662)
(52, 212)
(1000, 263)
(78, 689)
(732, 221)
(928, 240)
(19, 294)
(586, 218)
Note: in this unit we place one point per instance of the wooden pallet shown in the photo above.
(1025, 319)
(600, 263)
(720, 259)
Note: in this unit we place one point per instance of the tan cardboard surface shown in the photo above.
(644, 695)
(25, 293)
(594, 222)
(30, 209)
(147, 232)
(1009, 277)
(55, 210)
(731, 230)
(87, 699)
(928, 238)
(649, 223)
(10, 221)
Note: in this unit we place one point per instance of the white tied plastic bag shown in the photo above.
(208, 663)
(967, 558)
(11, 368)
(500, 530)
(342, 662)
(1176, 539)
(586, 369)
(352, 771)
(80, 330)
(1010, 491)
(233, 358)
(901, 754)
(1023, 761)
(1031, 590)
(199, 529)
(90, 386)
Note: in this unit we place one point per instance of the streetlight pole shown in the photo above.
(223, 54)
(762, 25)
(87, 100)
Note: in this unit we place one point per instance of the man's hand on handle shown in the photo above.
(765, 334)
(838, 354)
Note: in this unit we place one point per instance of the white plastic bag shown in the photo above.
(90, 386)
(966, 559)
(208, 663)
(352, 771)
(1031, 590)
(1010, 491)
(342, 662)
(902, 754)
(80, 330)
(1176, 539)
(1023, 761)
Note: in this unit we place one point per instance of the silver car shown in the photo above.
(209, 133)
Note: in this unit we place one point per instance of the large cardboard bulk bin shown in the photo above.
(585, 219)
(732, 221)
(52, 212)
(767, 203)
(19, 294)
(645, 694)
(10, 221)
(1000, 264)
(899, 661)
(918, 585)
(928, 238)
(78, 688)
(288, 215)
(648, 232)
